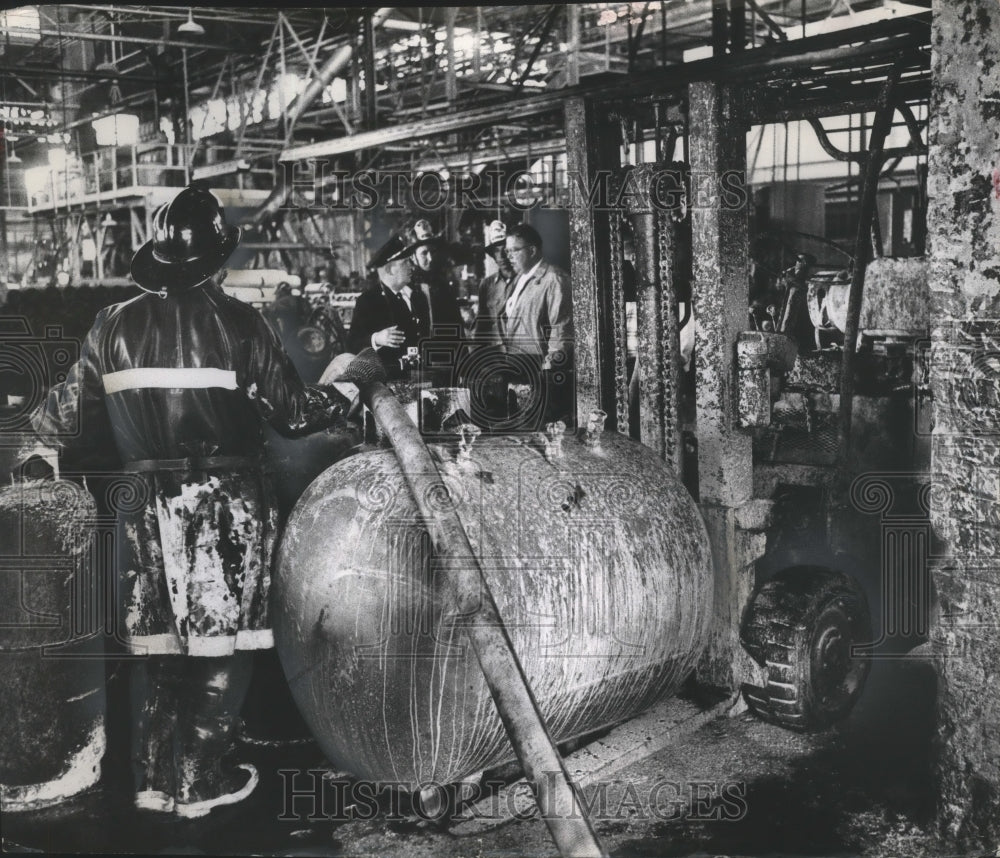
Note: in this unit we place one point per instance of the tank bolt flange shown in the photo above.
(468, 433)
(553, 440)
(595, 426)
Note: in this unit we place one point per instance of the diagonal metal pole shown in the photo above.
(872, 167)
(464, 581)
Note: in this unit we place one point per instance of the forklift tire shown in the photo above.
(801, 626)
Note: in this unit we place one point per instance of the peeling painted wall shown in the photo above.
(964, 238)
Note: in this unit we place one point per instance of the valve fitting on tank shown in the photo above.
(552, 439)
(468, 433)
(595, 426)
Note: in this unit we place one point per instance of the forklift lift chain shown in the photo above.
(802, 625)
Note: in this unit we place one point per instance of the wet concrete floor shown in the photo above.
(736, 786)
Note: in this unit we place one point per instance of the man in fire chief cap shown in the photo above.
(185, 376)
(392, 317)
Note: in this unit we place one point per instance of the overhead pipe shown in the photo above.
(320, 81)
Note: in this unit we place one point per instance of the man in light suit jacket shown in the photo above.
(534, 321)
(538, 312)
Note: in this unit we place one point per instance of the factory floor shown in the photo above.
(735, 786)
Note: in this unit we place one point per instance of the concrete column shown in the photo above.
(591, 151)
(720, 250)
(963, 186)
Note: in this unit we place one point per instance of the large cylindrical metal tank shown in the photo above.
(52, 734)
(599, 563)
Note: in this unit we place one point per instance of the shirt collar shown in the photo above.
(527, 276)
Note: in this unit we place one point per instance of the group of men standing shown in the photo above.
(522, 333)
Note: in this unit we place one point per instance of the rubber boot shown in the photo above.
(154, 747)
(214, 692)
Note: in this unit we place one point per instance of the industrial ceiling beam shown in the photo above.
(155, 14)
(120, 38)
(837, 101)
(875, 41)
(429, 126)
(682, 17)
(56, 73)
(460, 160)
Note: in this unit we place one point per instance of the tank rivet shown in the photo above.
(595, 426)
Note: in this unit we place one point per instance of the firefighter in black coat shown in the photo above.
(184, 377)
(430, 256)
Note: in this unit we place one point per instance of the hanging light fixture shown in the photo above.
(108, 221)
(110, 70)
(12, 156)
(119, 129)
(191, 27)
(109, 67)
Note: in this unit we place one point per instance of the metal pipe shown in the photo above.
(451, 74)
(827, 145)
(327, 73)
(335, 64)
(187, 120)
(543, 37)
(556, 796)
(862, 254)
(368, 64)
